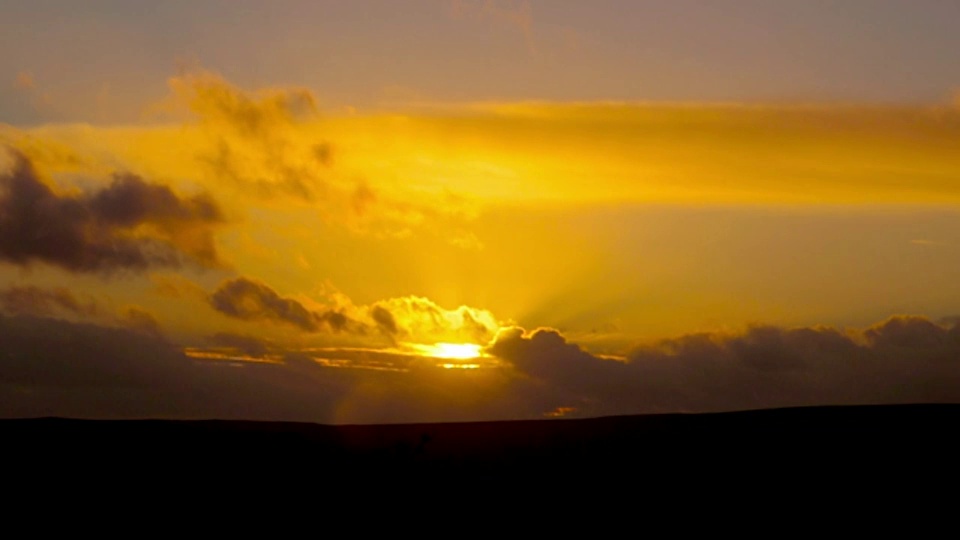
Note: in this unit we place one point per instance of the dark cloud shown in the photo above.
(48, 352)
(324, 153)
(336, 321)
(60, 302)
(915, 333)
(52, 367)
(129, 225)
(903, 359)
(546, 354)
(251, 300)
(142, 321)
(32, 300)
(384, 320)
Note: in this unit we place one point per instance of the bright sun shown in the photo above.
(459, 351)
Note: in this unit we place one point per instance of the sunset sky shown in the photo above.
(380, 211)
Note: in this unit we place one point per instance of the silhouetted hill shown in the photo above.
(836, 446)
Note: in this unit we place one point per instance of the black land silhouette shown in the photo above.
(849, 447)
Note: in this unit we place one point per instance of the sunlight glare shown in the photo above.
(458, 351)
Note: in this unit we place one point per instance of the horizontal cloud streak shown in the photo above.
(69, 369)
(32, 300)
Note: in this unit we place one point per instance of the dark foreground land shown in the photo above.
(828, 448)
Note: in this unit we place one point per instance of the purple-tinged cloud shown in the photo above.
(129, 225)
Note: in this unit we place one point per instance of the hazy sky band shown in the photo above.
(81, 55)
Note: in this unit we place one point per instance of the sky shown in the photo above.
(359, 212)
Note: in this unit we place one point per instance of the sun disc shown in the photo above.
(459, 351)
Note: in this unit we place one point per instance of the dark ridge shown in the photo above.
(845, 447)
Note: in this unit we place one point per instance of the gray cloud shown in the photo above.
(32, 300)
(384, 320)
(250, 300)
(903, 359)
(58, 301)
(52, 367)
(93, 232)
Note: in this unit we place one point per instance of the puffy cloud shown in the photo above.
(903, 359)
(545, 353)
(250, 300)
(916, 333)
(409, 319)
(128, 225)
(419, 319)
(258, 140)
(273, 144)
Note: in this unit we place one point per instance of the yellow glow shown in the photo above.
(457, 351)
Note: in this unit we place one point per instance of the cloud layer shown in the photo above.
(54, 367)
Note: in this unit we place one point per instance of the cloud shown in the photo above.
(142, 321)
(49, 352)
(274, 145)
(57, 368)
(414, 318)
(128, 225)
(903, 359)
(52, 367)
(250, 300)
(258, 138)
(212, 99)
(32, 300)
(545, 353)
(409, 319)
(384, 320)
(912, 333)
(59, 302)
(176, 286)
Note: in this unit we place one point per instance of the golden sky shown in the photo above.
(296, 257)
